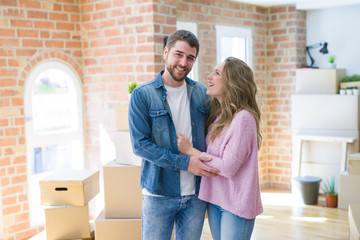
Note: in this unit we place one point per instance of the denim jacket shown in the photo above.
(153, 135)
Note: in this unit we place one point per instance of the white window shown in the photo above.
(233, 42)
(192, 27)
(54, 129)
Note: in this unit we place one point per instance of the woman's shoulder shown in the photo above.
(244, 115)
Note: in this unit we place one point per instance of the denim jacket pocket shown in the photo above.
(159, 119)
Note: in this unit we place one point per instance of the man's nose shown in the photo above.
(183, 61)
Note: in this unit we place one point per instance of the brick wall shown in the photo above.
(30, 32)
(112, 42)
(285, 51)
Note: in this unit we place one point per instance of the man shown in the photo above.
(170, 104)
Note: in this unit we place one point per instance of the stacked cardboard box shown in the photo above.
(66, 195)
(354, 164)
(349, 187)
(121, 216)
(354, 221)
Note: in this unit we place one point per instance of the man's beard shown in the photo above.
(171, 72)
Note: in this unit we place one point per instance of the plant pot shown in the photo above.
(331, 200)
(332, 65)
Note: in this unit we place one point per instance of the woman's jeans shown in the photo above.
(159, 214)
(227, 226)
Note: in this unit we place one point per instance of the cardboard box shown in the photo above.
(318, 81)
(354, 163)
(122, 193)
(124, 152)
(317, 112)
(354, 221)
(68, 222)
(117, 229)
(349, 190)
(122, 121)
(42, 236)
(69, 187)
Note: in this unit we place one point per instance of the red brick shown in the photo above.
(18, 179)
(37, 14)
(19, 159)
(44, 24)
(21, 23)
(32, 43)
(18, 227)
(12, 190)
(59, 16)
(54, 44)
(7, 142)
(7, 32)
(65, 26)
(25, 52)
(11, 200)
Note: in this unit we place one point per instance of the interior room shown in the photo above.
(66, 70)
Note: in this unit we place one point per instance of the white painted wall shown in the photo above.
(340, 28)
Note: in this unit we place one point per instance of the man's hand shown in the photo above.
(198, 168)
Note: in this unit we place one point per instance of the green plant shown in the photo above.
(352, 78)
(331, 59)
(132, 86)
(329, 186)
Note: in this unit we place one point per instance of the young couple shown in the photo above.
(184, 136)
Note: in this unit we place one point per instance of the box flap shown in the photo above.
(68, 178)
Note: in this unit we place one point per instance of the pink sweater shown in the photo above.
(234, 153)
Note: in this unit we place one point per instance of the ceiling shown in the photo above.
(302, 4)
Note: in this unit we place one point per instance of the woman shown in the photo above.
(233, 139)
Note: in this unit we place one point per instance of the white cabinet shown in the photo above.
(325, 125)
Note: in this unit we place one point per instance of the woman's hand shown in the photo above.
(185, 147)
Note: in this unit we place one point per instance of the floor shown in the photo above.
(285, 219)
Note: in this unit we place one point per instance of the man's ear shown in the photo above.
(165, 53)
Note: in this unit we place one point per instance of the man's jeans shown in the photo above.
(227, 226)
(160, 213)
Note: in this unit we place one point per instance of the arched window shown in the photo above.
(54, 127)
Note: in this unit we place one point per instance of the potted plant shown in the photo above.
(331, 195)
(131, 87)
(331, 62)
(350, 81)
(342, 91)
(356, 90)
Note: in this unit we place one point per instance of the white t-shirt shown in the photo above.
(179, 104)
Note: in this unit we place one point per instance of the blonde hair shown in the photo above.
(240, 93)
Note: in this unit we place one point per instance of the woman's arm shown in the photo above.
(185, 147)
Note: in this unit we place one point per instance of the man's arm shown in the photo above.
(141, 136)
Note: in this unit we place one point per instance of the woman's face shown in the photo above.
(216, 83)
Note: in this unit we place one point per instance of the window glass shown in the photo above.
(53, 102)
(233, 42)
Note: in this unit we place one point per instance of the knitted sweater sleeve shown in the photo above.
(236, 143)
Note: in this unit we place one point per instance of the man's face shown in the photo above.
(179, 60)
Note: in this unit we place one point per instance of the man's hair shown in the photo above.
(183, 35)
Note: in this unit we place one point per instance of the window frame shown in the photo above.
(240, 32)
(42, 140)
